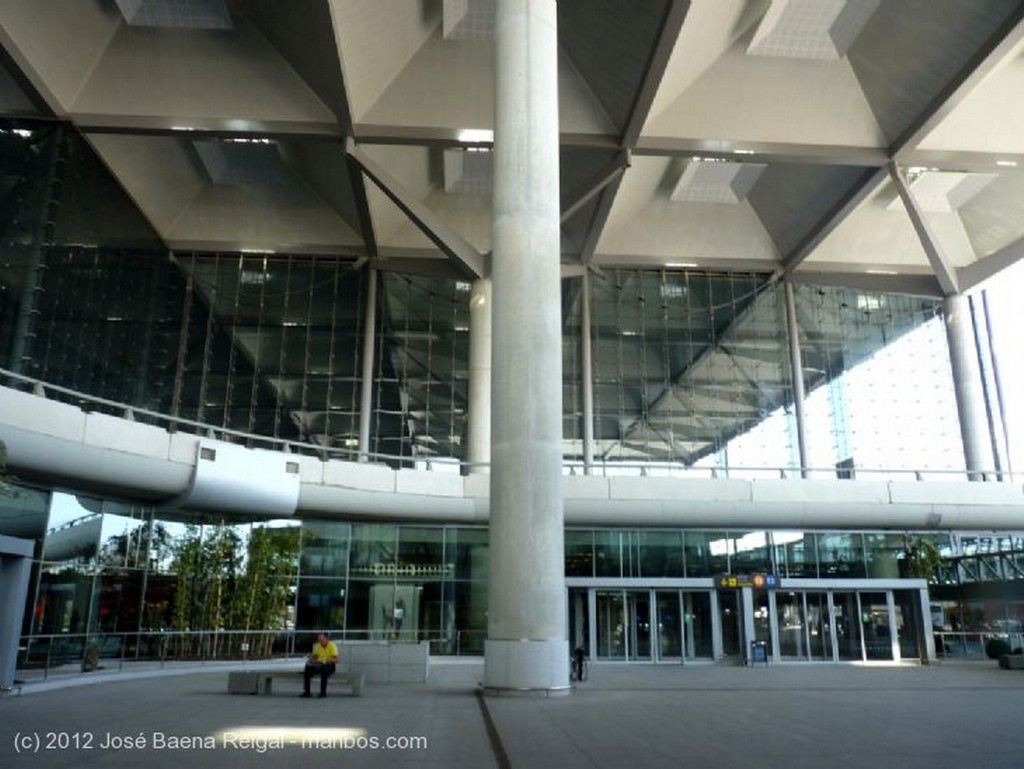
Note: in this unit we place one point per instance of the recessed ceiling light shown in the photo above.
(680, 264)
(1007, 163)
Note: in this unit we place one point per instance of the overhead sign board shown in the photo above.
(756, 581)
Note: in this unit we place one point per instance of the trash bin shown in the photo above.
(758, 652)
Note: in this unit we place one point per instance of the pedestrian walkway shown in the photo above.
(770, 717)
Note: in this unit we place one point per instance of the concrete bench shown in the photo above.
(262, 681)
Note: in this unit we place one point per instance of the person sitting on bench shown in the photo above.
(322, 661)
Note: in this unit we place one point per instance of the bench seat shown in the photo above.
(262, 681)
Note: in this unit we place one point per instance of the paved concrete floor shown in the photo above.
(708, 716)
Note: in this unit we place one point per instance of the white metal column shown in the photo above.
(478, 449)
(369, 339)
(970, 399)
(587, 374)
(796, 364)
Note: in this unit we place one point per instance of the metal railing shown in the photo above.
(65, 654)
(602, 468)
(974, 645)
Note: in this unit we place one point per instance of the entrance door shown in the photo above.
(732, 622)
(846, 614)
(611, 624)
(877, 632)
(579, 620)
(819, 628)
(624, 625)
(638, 610)
(670, 625)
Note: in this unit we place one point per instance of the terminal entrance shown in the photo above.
(641, 625)
(655, 624)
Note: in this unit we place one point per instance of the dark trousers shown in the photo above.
(323, 669)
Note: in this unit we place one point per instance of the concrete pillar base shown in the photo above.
(511, 666)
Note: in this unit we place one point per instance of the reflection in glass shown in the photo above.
(762, 618)
(882, 553)
(841, 555)
(421, 546)
(661, 553)
(469, 547)
(322, 602)
(611, 624)
(325, 547)
(579, 553)
(908, 623)
(874, 613)
(670, 627)
(731, 621)
(749, 552)
(792, 628)
(819, 629)
(638, 612)
(697, 615)
(846, 614)
(795, 554)
(24, 512)
(374, 549)
(579, 619)
(703, 560)
(607, 553)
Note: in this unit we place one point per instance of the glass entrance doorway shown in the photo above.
(644, 625)
(624, 624)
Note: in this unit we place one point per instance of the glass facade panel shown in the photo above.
(697, 615)
(792, 625)
(374, 550)
(883, 552)
(611, 624)
(118, 574)
(579, 553)
(321, 604)
(470, 616)
(661, 553)
(847, 619)
(908, 623)
(706, 553)
(749, 552)
(762, 617)
(421, 546)
(819, 628)
(638, 615)
(325, 548)
(670, 625)
(876, 628)
(841, 556)
(859, 349)
(608, 553)
(468, 549)
(795, 554)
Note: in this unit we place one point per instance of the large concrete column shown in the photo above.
(796, 361)
(369, 354)
(967, 385)
(15, 566)
(526, 645)
(478, 428)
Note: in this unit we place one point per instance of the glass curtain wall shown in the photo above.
(682, 362)
(880, 388)
(125, 584)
